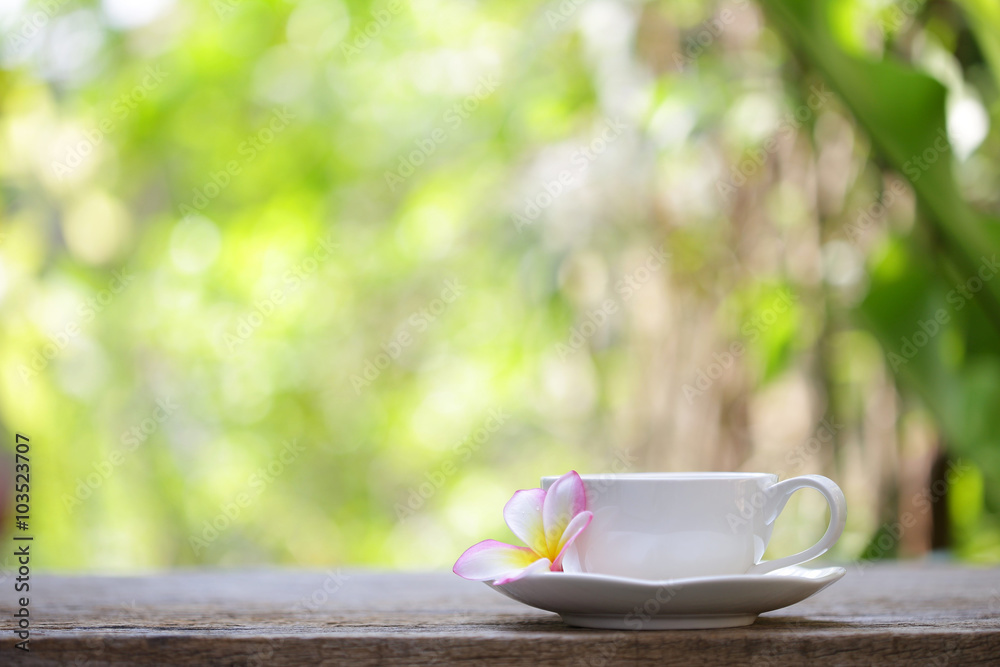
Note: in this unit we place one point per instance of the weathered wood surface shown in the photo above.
(895, 614)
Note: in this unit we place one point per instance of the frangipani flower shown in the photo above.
(547, 521)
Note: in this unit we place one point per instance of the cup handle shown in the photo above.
(779, 495)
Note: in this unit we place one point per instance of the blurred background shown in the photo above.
(324, 282)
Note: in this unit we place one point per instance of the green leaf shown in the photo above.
(984, 20)
(904, 113)
(941, 343)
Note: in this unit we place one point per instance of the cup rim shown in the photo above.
(665, 476)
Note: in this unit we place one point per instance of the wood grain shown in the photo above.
(883, 614)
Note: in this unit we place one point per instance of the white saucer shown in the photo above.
(617, 603)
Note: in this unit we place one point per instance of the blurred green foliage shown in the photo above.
(935, 289)
(321, 282)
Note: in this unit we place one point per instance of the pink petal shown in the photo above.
(564, 500)
(541, 565)
(573, 530)
(491, 559)
(523, 514)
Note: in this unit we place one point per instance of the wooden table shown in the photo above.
(883, 614)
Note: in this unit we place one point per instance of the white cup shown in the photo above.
(661, 526)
